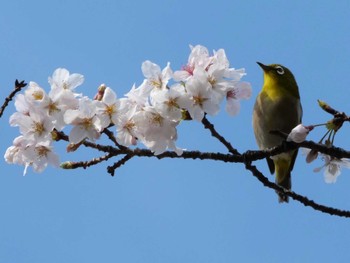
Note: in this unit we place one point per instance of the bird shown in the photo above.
(277, 109)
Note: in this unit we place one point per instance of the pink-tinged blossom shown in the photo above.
(199, 57)
(241, 90)
(150, 112)
(84, 120)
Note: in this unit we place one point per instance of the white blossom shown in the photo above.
(156, 78)
(149, 113)
(36, 126)
(170, 103)
(332, 167)
(199, 92)
(63, 85)
(15, 153)
(108, 108)
(155, 131)
(126, 127)
(48, 104)
(31, 153)
(41, 155)
(35, 94)
(139, 96)
(62, 80)
(84, 120)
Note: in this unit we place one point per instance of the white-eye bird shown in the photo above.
(277, 108)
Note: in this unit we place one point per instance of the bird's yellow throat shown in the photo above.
(271, 88)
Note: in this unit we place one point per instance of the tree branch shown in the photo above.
(302, 199)
(86, 164)
(232, 157)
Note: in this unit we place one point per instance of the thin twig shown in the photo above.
(86, 164)
(116, 165)
(18, 87)
(111, 136)
(60, 135)
(208, 125)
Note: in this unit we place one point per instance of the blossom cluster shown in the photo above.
(149, 113)
(332, 166)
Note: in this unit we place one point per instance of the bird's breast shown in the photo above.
(280, 113)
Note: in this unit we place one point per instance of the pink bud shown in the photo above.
(299, 133)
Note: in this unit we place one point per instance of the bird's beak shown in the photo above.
(264, 67)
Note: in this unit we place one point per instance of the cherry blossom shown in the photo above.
(62, 80)
(36, 126)
(125, 126)
(63, 85)
(156, 132)
(157, 79)
(29, 153)
(199, 57)
(332, 167)
(149, 113)
(40, 156)
(170, 103)
(108, 108)
(241, 90)
(84, 120)
(200, 93)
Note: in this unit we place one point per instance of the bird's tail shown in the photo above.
(283, 178)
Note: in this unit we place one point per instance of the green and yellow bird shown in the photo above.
(277, 108)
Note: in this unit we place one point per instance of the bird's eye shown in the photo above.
(279, 70)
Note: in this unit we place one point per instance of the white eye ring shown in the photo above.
(279, 70)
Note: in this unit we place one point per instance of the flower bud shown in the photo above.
(299, 133)
(324, 106)
(100, 92)
(72, 147)
(311, 156)
(67, 165)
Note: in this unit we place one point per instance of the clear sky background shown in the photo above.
(174, 210)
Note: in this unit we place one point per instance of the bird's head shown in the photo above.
(280, 77)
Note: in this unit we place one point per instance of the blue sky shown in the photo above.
(174, 210)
